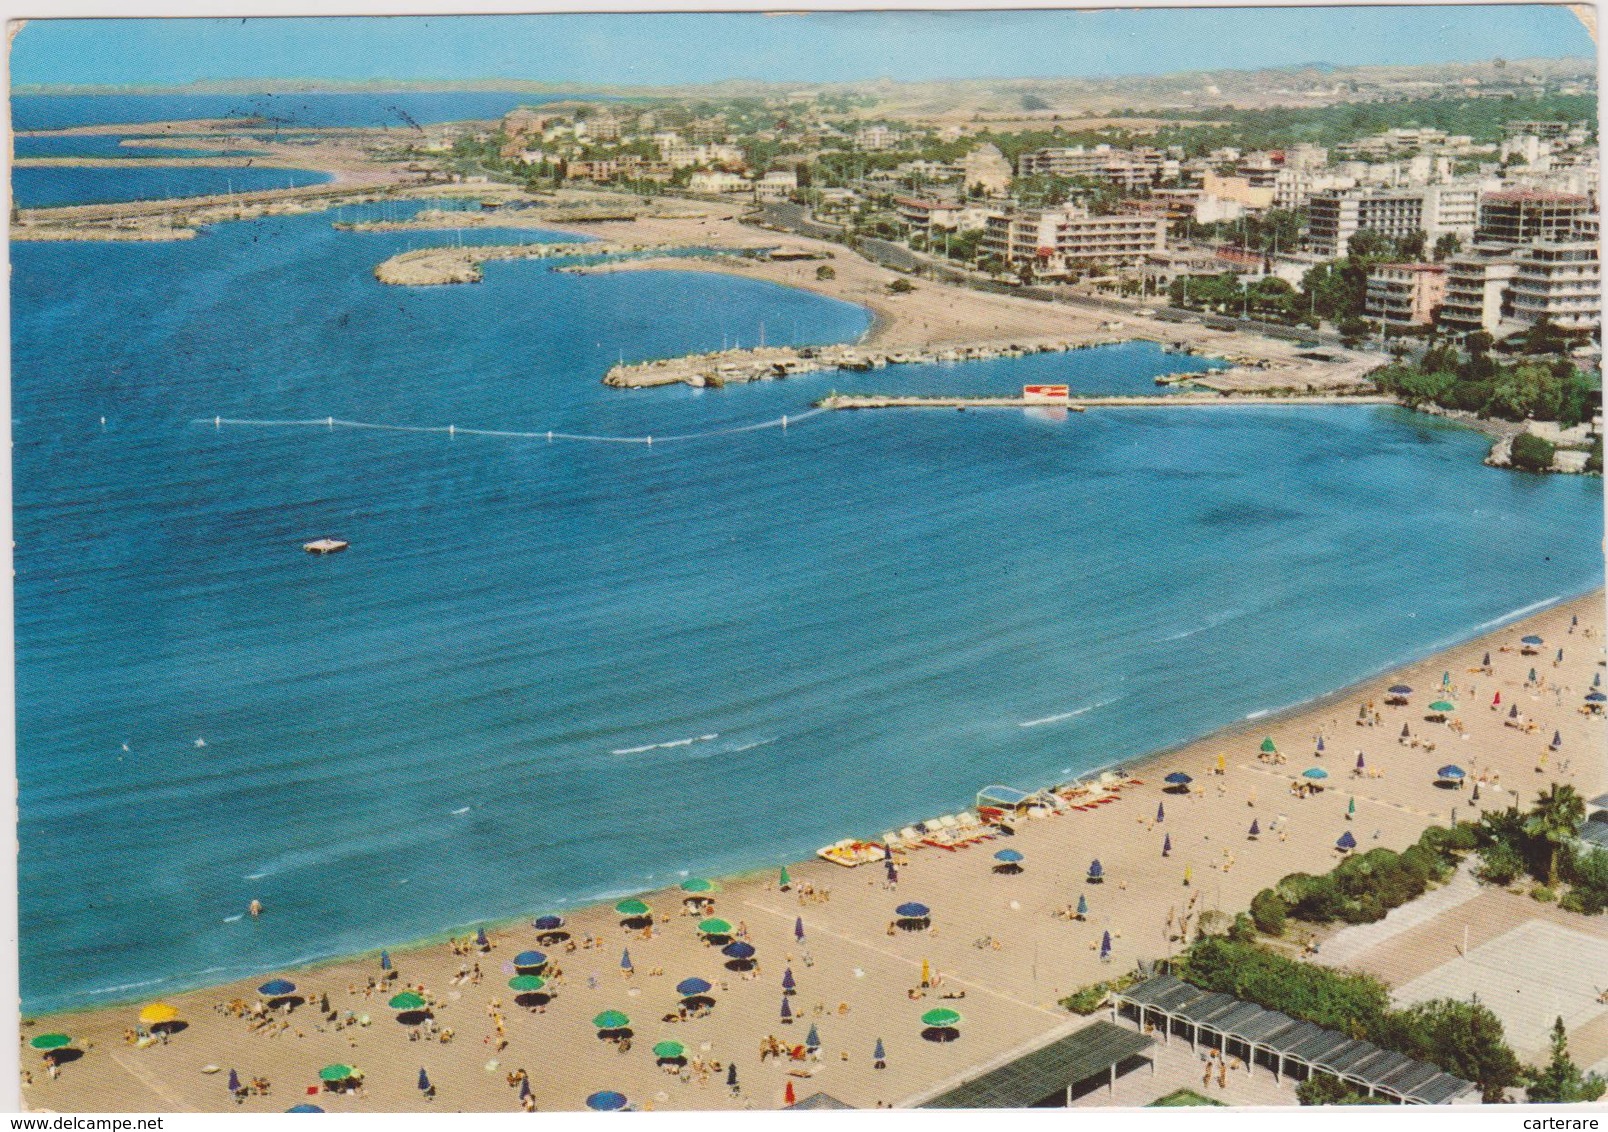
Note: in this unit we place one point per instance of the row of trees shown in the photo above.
(1542, 846)
(1477, 382)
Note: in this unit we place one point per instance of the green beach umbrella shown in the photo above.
(335, 1073)
(407, 1000)
(697, 884)
(1267, 746)
(526, 983)
(611, 1020)
(715, 927)
(1351, 807)
(669, 1049)
(633, 908)
(1442, 706)
(940, 1017)
(51, 1041)
(784, 880)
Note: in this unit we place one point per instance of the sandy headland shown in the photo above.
(1002, 947)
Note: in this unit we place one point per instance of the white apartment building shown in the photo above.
(1057, 242)
(718, 182)
(1338, 215)
(1501, 290)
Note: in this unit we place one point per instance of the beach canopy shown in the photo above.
(547, 923)
(1256, 829)
(798, 922)
(788, 982)
(157, 1013)
(1314, 772)
(1346, 841)
(689, 987)
(633, 908)
(813, 1041)
(1560, 655)
(611, 1020)
(335, 1073)
(1452, 771)
(879, 1053)
(943, 1016)
(50, 1041)
(1513, 712)
(424, 1080)
(529, 959)
(1400, 690)
(1166, 847)
(1083, 905)
(1532, 639)
(1179, 778)
(715, 926)
(1096, 869)
(1442, 706)
(738, 950)
(669, 1049)
(1351, 805)
(524, 983)
(1595, 697)
(1161, 812)
(407, 1000)
(1362, 763)
(277, 988)
(1268, 746)
(1320, 744)
(913, 911)
(606, 1102)
(1009, 856)
(625, 960)
(697, 884)
(1596, 680)
(304, 1108)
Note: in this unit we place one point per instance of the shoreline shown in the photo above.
(1140, 764)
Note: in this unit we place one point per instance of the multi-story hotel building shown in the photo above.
(1057, 242)
(1405, 294)
(1519, 216)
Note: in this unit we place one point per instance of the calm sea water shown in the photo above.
(105, 145)
(548, 672)
(46, 186)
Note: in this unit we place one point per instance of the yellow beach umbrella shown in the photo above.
(1221, 764)
(1186, 874)
(157, 1013)
(926, 973)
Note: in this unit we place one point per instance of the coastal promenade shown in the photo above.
(1079, 404)
(1001, 947)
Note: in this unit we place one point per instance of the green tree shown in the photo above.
(825, 271)
(1447, 245)
(1531, 453)
(1560, 1081)
(1500, 864)
(1368, 244)
(1557, 815)
(1322, 1089)
(901, 286)
(1410, 248)
(1268, 912)
(1463, 1038)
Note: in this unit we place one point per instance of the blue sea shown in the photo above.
(403, 110)
(47, 186)
(546, 672)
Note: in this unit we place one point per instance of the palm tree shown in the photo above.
(1555, 818)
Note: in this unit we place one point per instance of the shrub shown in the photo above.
(901, 286)
(1327, 997)
(1500, 864)
(1268, 912)
(1242, 930)
(1587, 874)
(1322, 1089)
(1542, 893)
(1088, 999)
(1532, 453)
(825, 272)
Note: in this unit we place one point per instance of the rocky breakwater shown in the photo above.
(429, 267)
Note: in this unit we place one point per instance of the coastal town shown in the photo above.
(1390, 889)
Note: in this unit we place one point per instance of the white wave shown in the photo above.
(1064, 715)
(128, 986)
(463, 810)
(1496, 622)
(750, 746)
(255, 876)
(666, 746)
(1210, 623)
(1260, 714)
(232, 919)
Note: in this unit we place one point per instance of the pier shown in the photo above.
(1080, 404)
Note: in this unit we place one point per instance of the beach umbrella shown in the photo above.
(813, 1041)
(731, 1075)
(1320, 744)
(669, 1049)
(1362, 763)
(1083, 905)
(1346, 841)
(1400, 690)
(335, 1073)
(686, 988)
(611, 1020)
(304, 1108)
(547, 923)
(625, 960)
(1595, 697)
(1452, 772)
(1446, 679)
(1314, 773)
(633, 909)
(407, 1000)
(481, 940)
(1166, 846)
(524, 1088)
(738, 950)
(789, 1097)
(1406, 732)
(1362, 711)
(424, 1080)
(913, 911)
(1351, 807)
(1222, 764)
(1096, 870)
(524, 983)
(1557, 740)
(1188, 872)
(1513, 712)
(926, 973)
(1560, 656)
(789, 984)
(787, 1010)
(1532, 676)
(1574, 621)
(1443, 706)
(798, 923)
(878, 1053)
(1496, 700)
(1105, 945)
(1256, 830)
(1530, 640)
(1268, 747)
(277, 988)
(782, 879)
(697, 884)
(1161, 812)
(1179, 778)
(1486, 663)
(606, 1102)
(715, 926)
(529, 959)
(385, 960)
(234, 1081)
(1476, 792)
(942, 1016)
(157, 1013)
(1009, 856)
(1596, 680)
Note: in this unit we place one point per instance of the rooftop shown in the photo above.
(1077, 1057)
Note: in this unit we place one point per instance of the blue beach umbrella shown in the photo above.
(788, 983)
(529, 959)
(606, 1102)
(1166, 846)
(1083, 905)
(1595, 697)
(1009, 856)
(1314, 773)
(1179, 778)
(385, 960)
(424, 1080)
(913, 911)
(625, 960)
(547, 923)
(687, 988)
(1256, 830)
(1530, 640)
(1346, 841)
(234, 1081)
(1400, 690)
(1452, 772)
(731, 1075)
(1105, 946)
(738, 950)
(879, 1054)
(798, 925)
(787, 1010)
(304, 1108)
(481, 940)
(1161, 812)
(277, 988)
(1361, 762)
(813, 1041)
(1096, 870)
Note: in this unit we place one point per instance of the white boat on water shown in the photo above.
(325, 546)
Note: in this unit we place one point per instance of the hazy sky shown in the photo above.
(818, 47)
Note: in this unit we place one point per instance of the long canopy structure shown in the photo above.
(1266, 1037)
(1091, 1053)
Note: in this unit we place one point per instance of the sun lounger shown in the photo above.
(912, 839)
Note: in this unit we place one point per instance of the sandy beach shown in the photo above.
(997, 940)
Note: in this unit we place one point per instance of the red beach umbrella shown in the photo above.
(790, 1098)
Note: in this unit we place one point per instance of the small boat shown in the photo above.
(325, 546)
